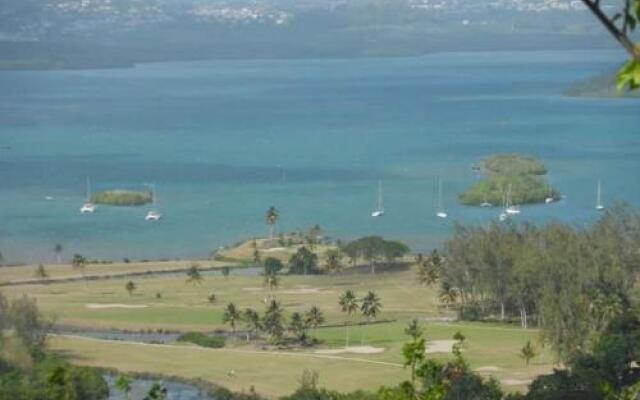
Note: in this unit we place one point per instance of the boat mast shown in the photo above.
(88, 190)
(599, 199)
(379, 195)
(439, 194)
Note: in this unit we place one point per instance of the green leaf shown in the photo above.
(629, 76)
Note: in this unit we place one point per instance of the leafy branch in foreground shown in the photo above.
(620, 26)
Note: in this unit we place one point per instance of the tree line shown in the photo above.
(570, 282)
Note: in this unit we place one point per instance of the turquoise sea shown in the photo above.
(224, 140)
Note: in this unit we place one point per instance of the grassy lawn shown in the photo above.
(62, 271)
(183, 306)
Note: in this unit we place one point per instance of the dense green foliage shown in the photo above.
(521, 178)
(571, 282)
(375, 249)
(51, 379)
(202, 340)
(525, 189)
(304, 262)
(27, 371)
(119, 197)
(513, 164)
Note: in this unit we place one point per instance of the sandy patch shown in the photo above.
(440, 346)
(352, 349)
(515, 382)
(305, 291)
(488, 368)
(114, 305)
(291, 291)
(252, 289)
(275, 249)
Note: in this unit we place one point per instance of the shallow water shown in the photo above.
(224, 140)
(140, 387)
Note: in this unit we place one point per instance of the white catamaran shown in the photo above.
(153, 215)
(88, 207)
(599, 205)
(379, 210)
(440, 213)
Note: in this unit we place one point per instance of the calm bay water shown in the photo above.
(224, 140)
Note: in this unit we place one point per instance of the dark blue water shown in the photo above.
(225, 140)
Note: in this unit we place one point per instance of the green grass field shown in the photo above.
(182, 306)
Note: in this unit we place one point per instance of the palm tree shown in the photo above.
(271, 281)
(333, 261)
(256, 258)
(429, 269)
(314, 318)
(349, 304)
(41, 272)
(370, 308)
(1, 258)
(528, 352)
(448, 294)
(298, 326)
(193, 275)
(130, 287)
(252, 320)
(273, 321)
(58, 250)
(272, 219)
(427, 275)
(79, 262)
(123, 383)
(231, 316)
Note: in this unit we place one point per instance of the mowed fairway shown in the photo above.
(168, 302)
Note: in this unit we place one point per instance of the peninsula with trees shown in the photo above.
(520, 178)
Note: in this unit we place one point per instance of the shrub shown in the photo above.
(470, 312)
(200, 339)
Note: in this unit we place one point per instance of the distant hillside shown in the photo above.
(599, 86)
(62, 34)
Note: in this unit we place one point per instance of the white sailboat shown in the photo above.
(511, 209)
(549, 199)
(599, 205)
(153, 215)
(88, 207)
(440, 212)
(379, 210)
(485, 203)
(503, 215)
